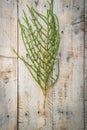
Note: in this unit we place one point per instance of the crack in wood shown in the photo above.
(12, 57)
(74, 23)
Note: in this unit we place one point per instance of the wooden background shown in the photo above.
(21, 100)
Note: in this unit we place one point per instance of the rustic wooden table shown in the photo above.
(21, 100)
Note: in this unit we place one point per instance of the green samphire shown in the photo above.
(40, 35)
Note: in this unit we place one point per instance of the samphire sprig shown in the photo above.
(40, 35)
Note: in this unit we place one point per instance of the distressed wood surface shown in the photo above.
(66, 108)
(30, 96)
(65, 101)
(8, 65)
(68, 102)
(8, 27)
(85, 65)
(8, 94)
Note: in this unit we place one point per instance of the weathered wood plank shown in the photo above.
(30, 96)
(68, 92)
(8, 27)
(8, 94)
(85, 64)
(65, 100)
(8, 66)
(86, 49)
(85, 115)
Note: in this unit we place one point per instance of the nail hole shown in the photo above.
(7, 116)
(67, 6)
(77, 8)
(66, 113)
(62, 32)
(68, 59)
(26, 114)
(59, 54)
(45, 5)
(38, 112)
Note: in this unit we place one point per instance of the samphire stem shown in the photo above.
(44, 105)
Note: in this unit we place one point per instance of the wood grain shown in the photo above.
(85, 78)
(8, 27)
(68, 102)
(65, 104)
(8, 65)
(30, 96)
(8, 94)
(65, 101)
